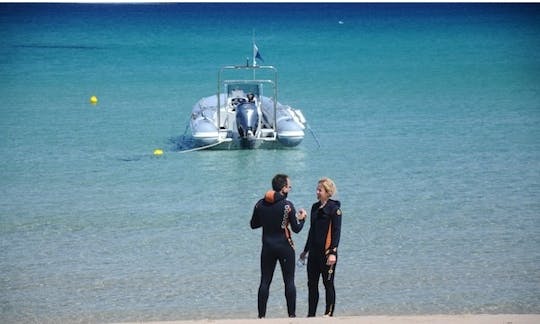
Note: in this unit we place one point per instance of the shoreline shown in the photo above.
(375, 319)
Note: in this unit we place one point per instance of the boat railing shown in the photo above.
(265, 68)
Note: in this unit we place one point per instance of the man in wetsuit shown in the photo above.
(274, 213)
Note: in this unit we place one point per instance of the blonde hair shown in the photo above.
(328, 185)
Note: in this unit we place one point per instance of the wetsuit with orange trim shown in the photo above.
(323, 240)
(275, 214)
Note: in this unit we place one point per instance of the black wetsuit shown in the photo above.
(320, 244)
(274, 213)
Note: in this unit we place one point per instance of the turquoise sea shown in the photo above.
(428, 119)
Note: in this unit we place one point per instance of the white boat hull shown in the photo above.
(207, 131)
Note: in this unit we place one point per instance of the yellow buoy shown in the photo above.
(93, 100)
(158, 152)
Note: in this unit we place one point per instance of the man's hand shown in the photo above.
(302, 214)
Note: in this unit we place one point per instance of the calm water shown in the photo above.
(428, 118)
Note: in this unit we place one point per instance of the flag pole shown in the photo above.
(254, 47)
(254, 64)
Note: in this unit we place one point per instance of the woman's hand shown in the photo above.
(331, 260)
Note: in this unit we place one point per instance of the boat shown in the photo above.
(245, 112)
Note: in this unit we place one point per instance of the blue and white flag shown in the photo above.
(256, 55)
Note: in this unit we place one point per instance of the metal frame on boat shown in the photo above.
(241, 116)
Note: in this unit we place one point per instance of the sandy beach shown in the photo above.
(431, 319)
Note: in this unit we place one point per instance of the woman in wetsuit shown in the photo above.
(274, 213)
(322, 245)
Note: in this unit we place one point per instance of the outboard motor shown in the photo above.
(247, 120)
